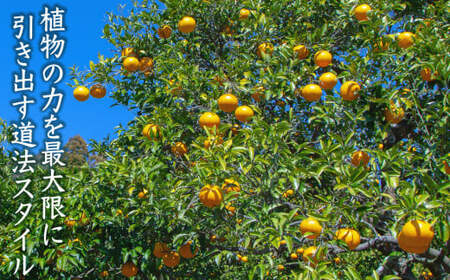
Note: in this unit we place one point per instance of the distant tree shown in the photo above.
(75, 151)
(95, 158)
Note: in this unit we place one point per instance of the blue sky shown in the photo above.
(92, 119)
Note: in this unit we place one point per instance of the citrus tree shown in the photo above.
(272, 140)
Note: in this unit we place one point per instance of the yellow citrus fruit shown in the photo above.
(151, 131)
(349, 90)
(230, 208)
(231, 185)
(300, 251)
(323, 58)
(359, 157)
(164, 32)
(312, 92)
(171, 259)
(209, 120)
(327, 80)
(210, 196)
(179, 149)
(394, 114)
(98, 91)
(349, 236)
(243, 113)
(160, 249)
(81, 93)
(405, 40)
(131, 64)
(186, 251)
(301, 51)
(280, 267)
(244, 14)
(227, 102)
(244, 259)
(415, 236)
(186, 25)
(129, 269)
(310, 254)
(361, 12)
(141, 195)
(145, 64)
(294, 256)
(311, 225)
(266, 48)
(128, 52)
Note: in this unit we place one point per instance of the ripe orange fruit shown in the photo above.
(310, 225)
(301, 51)
(349, 236)
(327, 80)
(160, 249)
(179, 149)
(129, 269)
(186, 252)
(425, 73)
(209, 120)
(218, 140)
(380, 146)
(227, 102)
(312, 92)
(145, 64)
(186, 25)
(210, 196)
(81, 93)
(323, 58)
(288, 193)
(231, 185)
(230, 208)
(280, 267)
(359, 157)
(337, 260)
(104, 273)
(128, 52)
(151, 131)
(164, 32)
(244, 14)
(405, 40)
(394, 114)
(171, 259)
(266, 48)
(243, 113)
(141, 195)
(300, 251)
(349, 90)
(244, 259)
(361, 12)
(294, 256)
(131, 64)
(98, 91)
(415, 236)
(310, 254)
